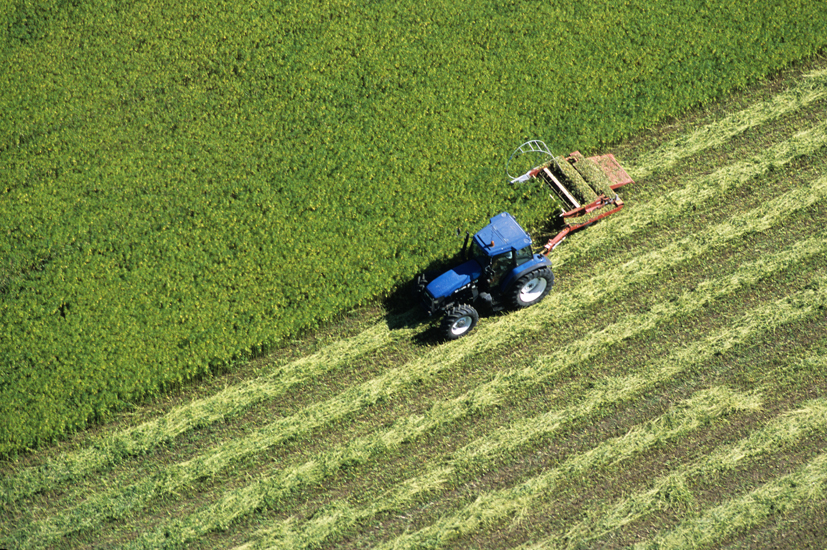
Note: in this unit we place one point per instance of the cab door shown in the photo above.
(500, 265)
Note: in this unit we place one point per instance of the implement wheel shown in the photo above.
(458, 321)
(531, 288)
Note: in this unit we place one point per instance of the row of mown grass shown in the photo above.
(600, 394)
(187, 187)
(496, 386)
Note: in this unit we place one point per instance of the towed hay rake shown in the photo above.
(585, 185)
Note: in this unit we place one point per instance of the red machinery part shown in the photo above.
(618, 177)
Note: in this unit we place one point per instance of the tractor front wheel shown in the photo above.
(531, 288)
(458, 321)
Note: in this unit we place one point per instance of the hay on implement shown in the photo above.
(594, 176)
(573, 181)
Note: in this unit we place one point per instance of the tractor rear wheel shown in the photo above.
(458, 321)
(531, 288)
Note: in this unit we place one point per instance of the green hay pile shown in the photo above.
(573, 181)
(593, 174)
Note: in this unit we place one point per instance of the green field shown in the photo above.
(186, 188)
(670, 392)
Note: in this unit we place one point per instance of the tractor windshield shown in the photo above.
(478, 254)
(524, 255)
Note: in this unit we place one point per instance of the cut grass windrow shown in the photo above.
(359, 451)
(609, 392)
(227, 403)
(695, 194)
(762, 218)
(121, 503)
(612, 391)
(812, 88)
(737, 516)
(782, 432)
(699, 411)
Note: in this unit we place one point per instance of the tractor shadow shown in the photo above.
(405, 312)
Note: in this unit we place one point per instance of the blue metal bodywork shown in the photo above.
(454, 279)
(502, 237)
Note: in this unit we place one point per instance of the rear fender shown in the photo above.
(537, 262)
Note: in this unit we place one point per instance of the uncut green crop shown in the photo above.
(184, 186)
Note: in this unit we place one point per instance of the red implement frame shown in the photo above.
(616, 174)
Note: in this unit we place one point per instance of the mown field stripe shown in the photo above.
(783, 431)
(120, 503)
(739, 515)
(780, 433)
(697, 412)
(612, 391)
(363, 449)
(613, 281)
(500, 442)
(695, 194)
(225, 404)
(811, 88)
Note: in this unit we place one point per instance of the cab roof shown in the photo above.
(501, 235)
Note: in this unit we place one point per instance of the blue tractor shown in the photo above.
(500, 271)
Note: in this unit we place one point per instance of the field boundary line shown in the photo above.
(811, 88)
(118, 503)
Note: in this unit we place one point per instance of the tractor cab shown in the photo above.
(497, 261)
(500, 247)
(501, 236)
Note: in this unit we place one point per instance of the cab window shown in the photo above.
(500, 265)
(477, 252)
(524, 255)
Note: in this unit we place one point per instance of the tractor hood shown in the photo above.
(454, 279)
(501, 235)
